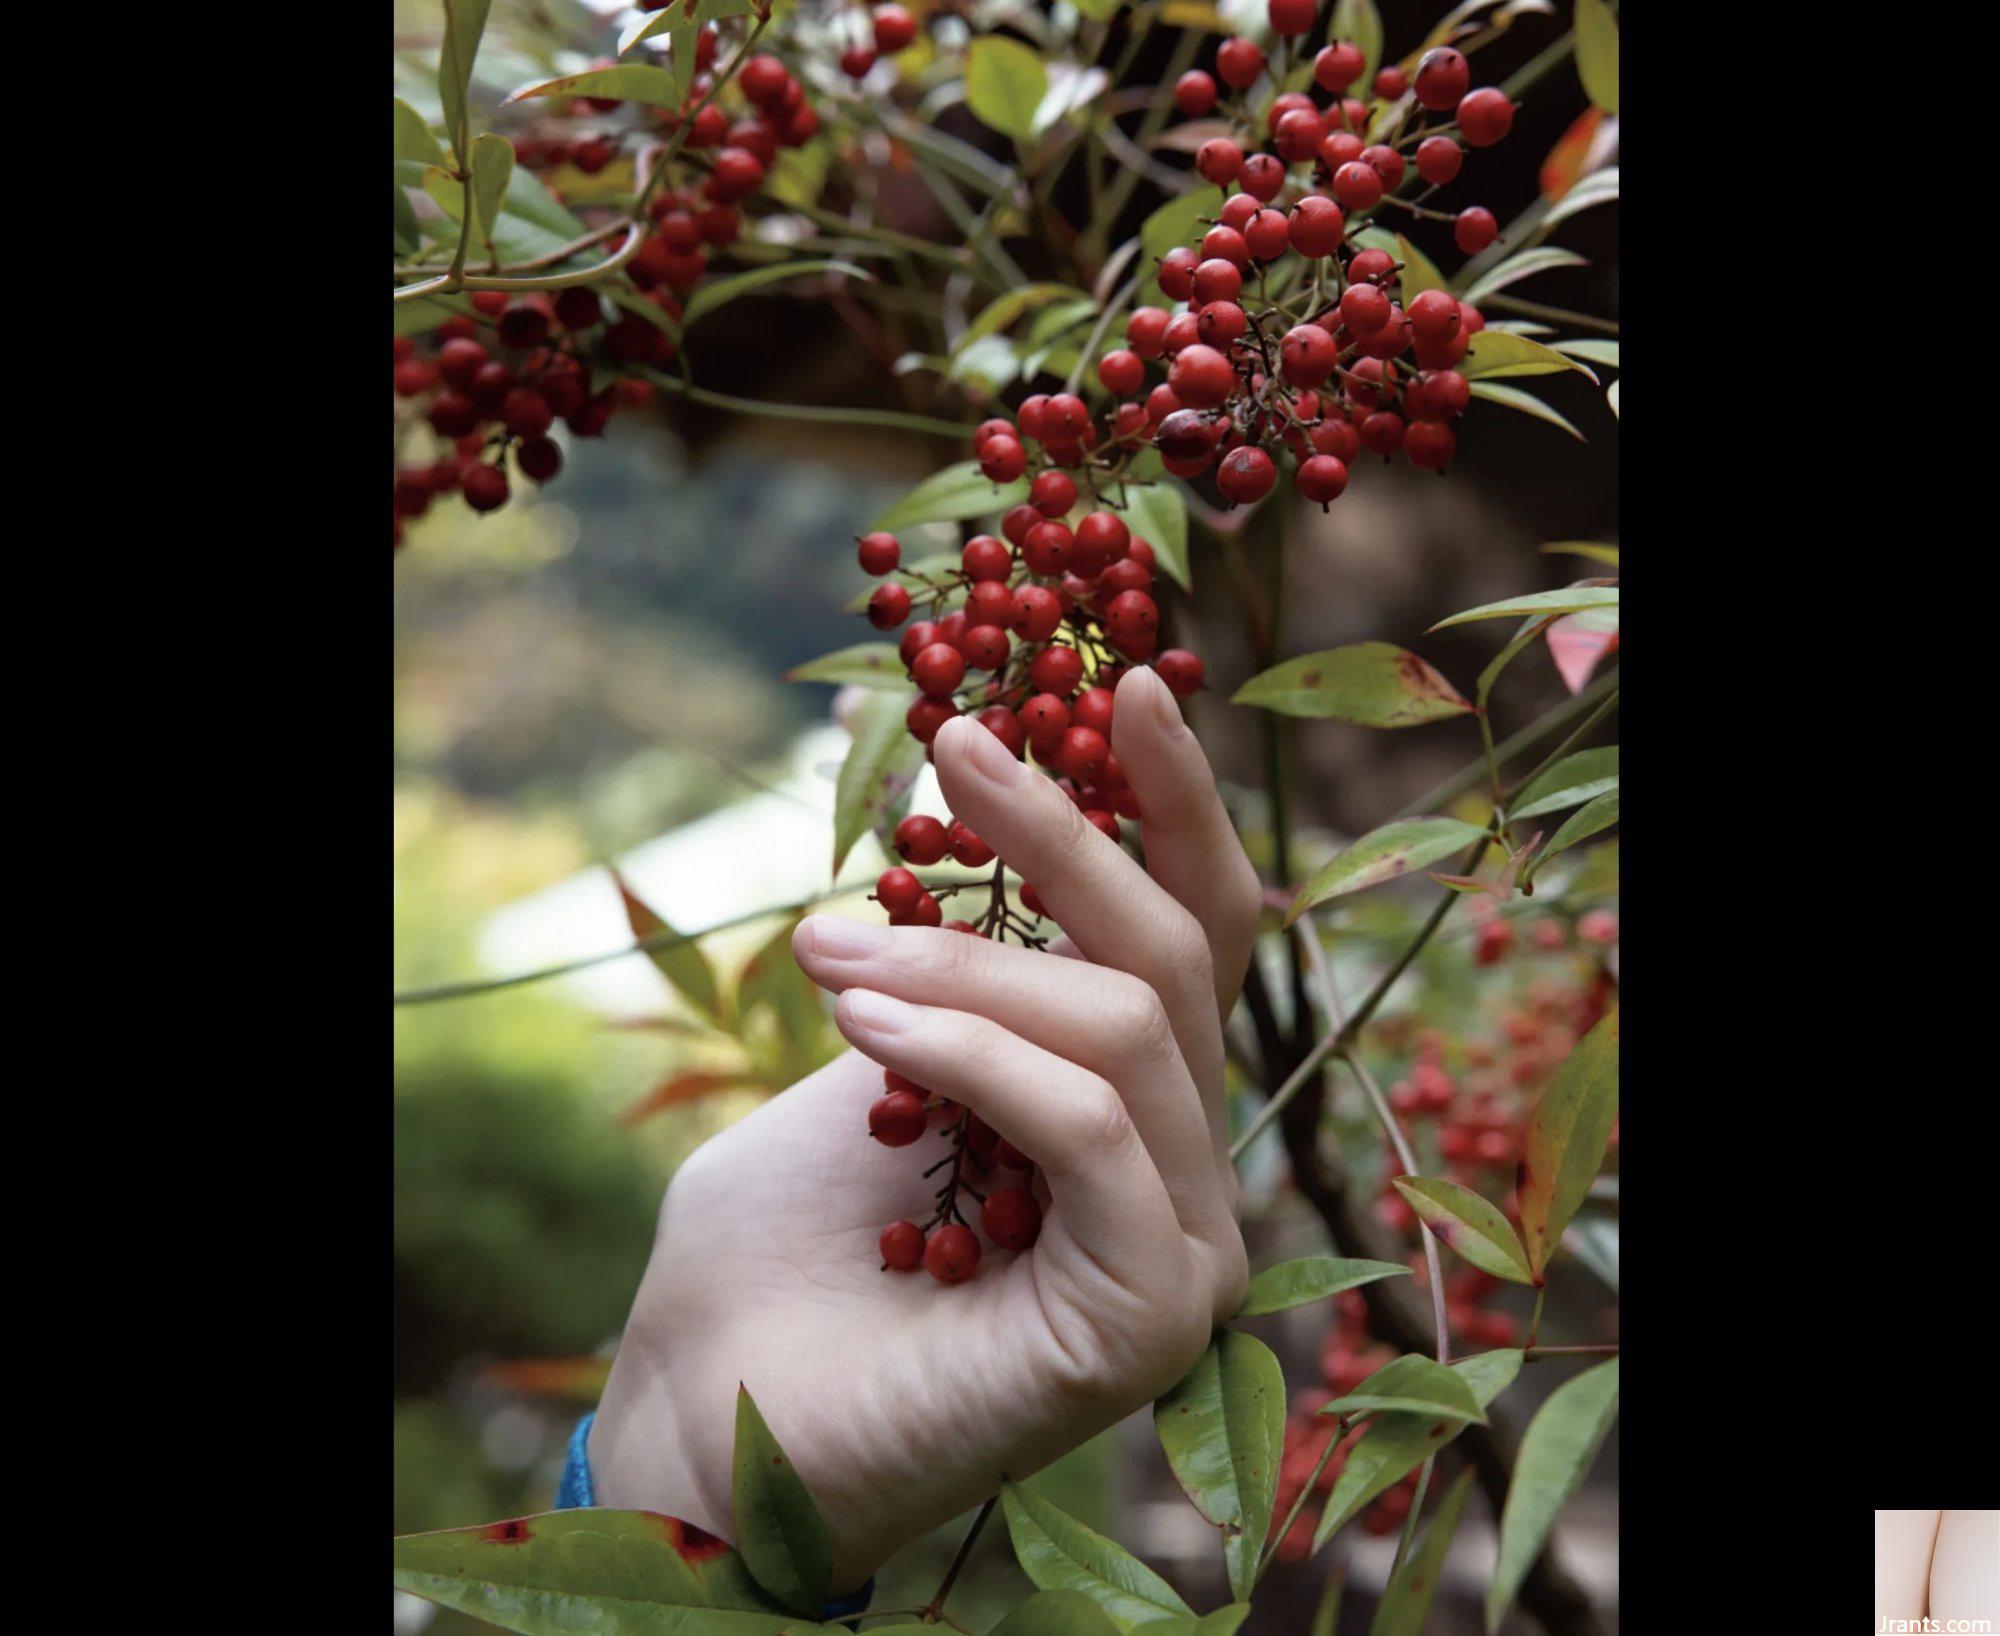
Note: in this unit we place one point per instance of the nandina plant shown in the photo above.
(1114, 390)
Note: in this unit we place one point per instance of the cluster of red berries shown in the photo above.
(1327, 363)
(889, 29)
(946, 1246)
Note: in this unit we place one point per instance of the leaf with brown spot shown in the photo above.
(1382, 855)
(1373, 684)
(1469, 1224)
(1407, 1601)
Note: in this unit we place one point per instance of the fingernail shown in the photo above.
(880, 1012)
(838, 939)
(986, 755)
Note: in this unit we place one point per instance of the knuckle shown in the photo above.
(1138, 1020)
(1099, 1126)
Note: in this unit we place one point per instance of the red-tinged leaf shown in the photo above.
(690, 1086)
(682, 964)
(1502, 885)
(1375, 684)
(580, 1379)
(1570, 157)
(1578, 641)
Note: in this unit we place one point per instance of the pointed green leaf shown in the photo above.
(1469, 1224)
(682, 964)
(1311, 1278)
(1419, 272)
(1004, 84)
(1396, 1444)
(725, 290)
(1574, 599)
(1585, 822)
(1223, 1427)
(414, 140)
(1407, 1601)
(952, 495)
(869, 664)
(566, 1571)
(1569, 783)
(492, 169)
(1059, 1553)
(1157, 514)
(779, 1530)
(881, 764)
(1495, 352)
(1584, 548)
(1525, 265)
(681, 16)
(407, 238)
(1049, 1613)
(1375, 684)
(1597, 53)
(1411, 1385)
(1567, 1136)
(1599, 187)
(1386, 854)
(1002, 310)
(1556, 1452)
(464, 23)
(1512, 397)
(1598, 352)
(629, 82)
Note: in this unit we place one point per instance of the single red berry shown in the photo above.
(1084, 751)
(1121, 373)
(938, 670)
(1057, 670)
(1239, 62)
(920, 839)
(856, 60)
(1357, 185)
(1132, 621)
(1490, 943)
(1387, 163)
(1307, 355)
(1341, 148)
(1433, 316)
(1037, 612)
(1438, 159)
(985, 558)
(1218, 279)
(914, 640)
(1194, 94)
(1263, 174)
(1145, 330)
(1181, 670)
(736, 171)
(925, 913)
(1201, 376)
(1316, 226)
(1268, 235)
(1219, 160)
(1322, 478)
(1010, 1215)
(952, 1255)
(888, 606)
(539, 458)
(1474, 229)
(894, 29)
(459, 359)
(1044, 716)
(1598, 927)
(1067, 417)
(1372, 267)
(985, 646)
(1002, 459)
(485, 488)
(1047, 548)
(1484, 117)
(1053, 494)
(896, 1120)
(1364, 309)
(1177, 273)
(1335, 436)
(1337, 67)
(902, 1246)
(879, 552)
(1390, 83)
(1246, 474)
(1220, 322)
(1442, 78)
(997, 426)
(966, 847)
(1299, 135)
(1101, 539)
(1094, 708)
(897, 890)
(1382, 433)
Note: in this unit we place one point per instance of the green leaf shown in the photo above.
(723, 291)
(1598, 352)
(492, 169)
(1327, 1615)
(1358, 22)
(1468, 1224)
(1157, 514)
(868, 664)
(1611, 395)
(1585, 822)
(1597, 53)
(1572, 599)
(1048, 1613)
(952, 495)
(1584, 548)
(1599, 187)
(565, 1571)
(1223, 1427)
(1517, 267)
(1556, 1452)
(1407, 1601)
(1569, 783)
(1494, 352)
(1004, 309)
(1396, 1444)
(1411, 1385)
(1566, 1141)
(464, 23)
(1059, 1553)
(1222, 1622)
(1385, 854)
(1512, 397)
(1376, 684)
(628, 82)
(407, 240)
(1311, 1278)
(779, 1530)
(684, 40)
(414, 140)
(682, 964)
(1004, 83)
(1419, 272)
(680, 16)
(880, 766)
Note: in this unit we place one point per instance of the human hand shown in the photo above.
(903, 1402)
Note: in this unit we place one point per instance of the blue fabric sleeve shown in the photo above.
(576, 1489)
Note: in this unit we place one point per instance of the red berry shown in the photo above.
(920, 839)
(1194, 94)
(1246, 474)
(1307, 355)
(1002, 459)
(1387, 163)
(888, 606)
(1220, 322)
(1268, 234)
(898, 891)
(1121, 372)
(1299, 134)
(1053, 494)
(1010, 1215)
(856, 60)
(1217, 279)
(1372, 267)
(879, 553)
(1085, 750)
(894, 29)
(1037, 612)
(1145, 330)
(1493, 939)
(966, 847)
(1357, 185)
(1219, 160)
(1322, 478)
(1316, 226)
(1263, 174)
(938, 669)
(902, 1246)
(1474, 229)
(985, 646)
(1066, 418)
(1057, 670)
(1201, 376)
(1047, 548)
(1181, 670)
(1132, 621)
(1364, 309)
(1337, 67)
(1239, 62)
(1484, 117)
(1433, 316)
(1442, 78)
(1382, 433)
(896, 1120)
(952, 1255)
(1390, 83)
(985, 558)
(1177, 273)
(539, 458)
(1438, 159)
(1044, 716)
(1335, 436)
(485, 488)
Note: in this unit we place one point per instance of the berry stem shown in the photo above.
(934, 1609)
